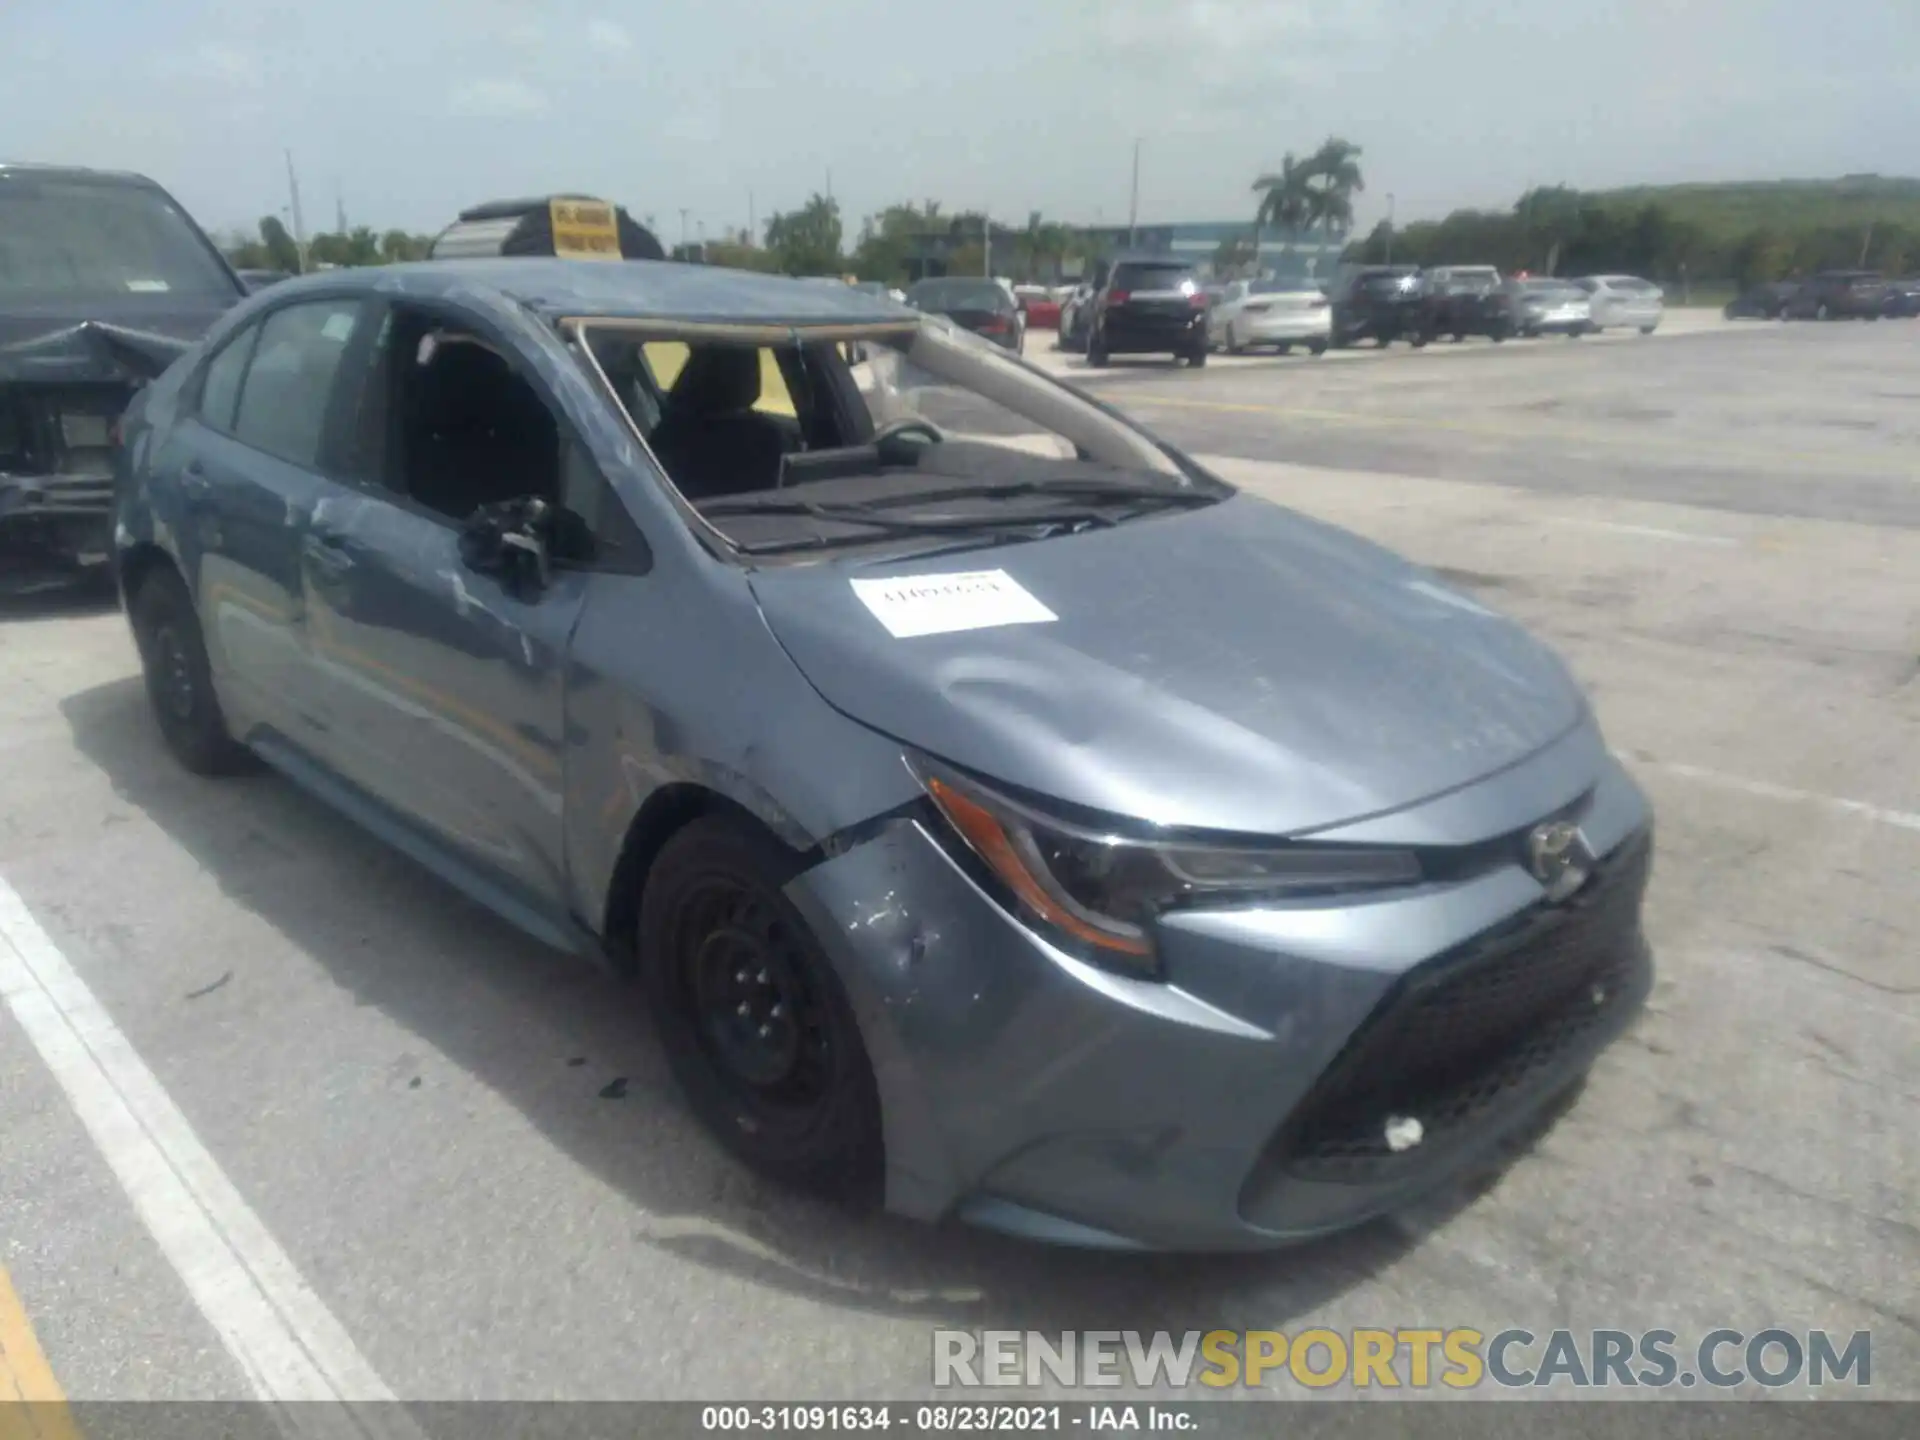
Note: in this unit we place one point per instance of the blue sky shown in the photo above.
(410, 109)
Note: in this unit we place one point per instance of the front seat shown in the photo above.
(711, 440)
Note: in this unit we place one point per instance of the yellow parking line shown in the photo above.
(32, 1404)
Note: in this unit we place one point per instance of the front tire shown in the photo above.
(173, 659)
(755, 1023)
(1234, 345)
(1318, 347)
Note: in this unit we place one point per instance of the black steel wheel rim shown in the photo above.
(173, 673)
(749, 988)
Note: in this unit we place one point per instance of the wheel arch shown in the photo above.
(140, 561)
(664, 814)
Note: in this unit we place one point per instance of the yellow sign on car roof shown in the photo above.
(584, 230)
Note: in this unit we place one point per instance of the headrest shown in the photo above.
(717, 380)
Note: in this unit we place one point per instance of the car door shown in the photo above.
(249, 473)
(443, 686)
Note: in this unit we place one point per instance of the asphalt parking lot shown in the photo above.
(468, 1151)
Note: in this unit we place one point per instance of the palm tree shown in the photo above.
(1333, 179)
(1286, 203)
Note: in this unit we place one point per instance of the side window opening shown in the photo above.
(464, 428)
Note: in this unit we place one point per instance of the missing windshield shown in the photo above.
(823, 443)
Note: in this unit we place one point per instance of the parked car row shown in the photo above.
(1118, 311)
(1830, 295)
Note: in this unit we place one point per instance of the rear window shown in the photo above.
(1136, 276)
(958, 295)
(91, 238)
(1383, 284)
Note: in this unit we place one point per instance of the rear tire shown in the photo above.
(755, 1023)
(1318, 347)
(1197, 356)
(1096, 353)
(1234, 347)
(1283, 348)
(173, 658)
(1646, 329)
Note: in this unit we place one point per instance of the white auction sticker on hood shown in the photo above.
(912, 605)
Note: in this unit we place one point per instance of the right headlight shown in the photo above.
(1102, 891)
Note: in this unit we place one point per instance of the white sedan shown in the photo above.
(1282, 313)
(1624, 302)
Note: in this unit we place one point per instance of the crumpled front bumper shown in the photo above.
(1025, 1090)
(55, 519)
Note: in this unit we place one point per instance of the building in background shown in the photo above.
(1315, 255)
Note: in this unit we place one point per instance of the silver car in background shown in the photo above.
(1282, 313)
(1624, 302)
(1552, 307)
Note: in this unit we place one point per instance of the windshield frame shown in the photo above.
(577, 331)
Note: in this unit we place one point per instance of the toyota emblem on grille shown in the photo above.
(1557, 854)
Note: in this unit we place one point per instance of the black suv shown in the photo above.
(105, 282)
(1839, 295)
(1467, 300)
(1381, 303)
(1151, 306)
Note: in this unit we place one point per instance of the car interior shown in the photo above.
(462, 428)
(713, 423)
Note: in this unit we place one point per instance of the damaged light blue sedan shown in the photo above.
(1004, 817)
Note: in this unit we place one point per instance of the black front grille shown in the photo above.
(1470, 1030)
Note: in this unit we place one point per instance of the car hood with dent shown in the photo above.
(112, 339)
(1237, 668)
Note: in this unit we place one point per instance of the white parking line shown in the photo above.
(280, 1332)
(1767, 790)
(1654, 532)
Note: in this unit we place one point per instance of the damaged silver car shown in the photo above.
(104, 282)
(1003, 816)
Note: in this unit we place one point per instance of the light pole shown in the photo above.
(1389, 227)
(1133, 205)
(684, 212)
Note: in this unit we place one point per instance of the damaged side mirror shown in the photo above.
(517, 542)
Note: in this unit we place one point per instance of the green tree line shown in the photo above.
(274, 248)
(1745, 233)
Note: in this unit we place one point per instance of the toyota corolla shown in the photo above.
(1003, 817)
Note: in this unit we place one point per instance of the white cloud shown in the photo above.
(608, 36)
(497, 97)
